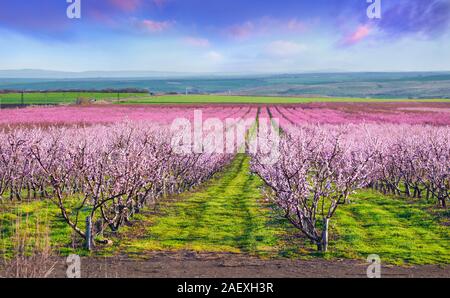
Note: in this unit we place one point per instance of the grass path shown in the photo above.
(225, 217)
(398, 231)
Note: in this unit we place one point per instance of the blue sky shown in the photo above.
(225, 35)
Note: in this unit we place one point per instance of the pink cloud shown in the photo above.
(155, 26)
(267, 26)
(126, 5)
(360, 34)
(197, 42)
(241, 31)
(296, 25)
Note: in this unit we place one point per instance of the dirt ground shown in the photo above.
(211, 265)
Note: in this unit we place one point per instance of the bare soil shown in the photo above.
(213, 265)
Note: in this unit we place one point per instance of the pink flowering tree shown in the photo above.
(317, 171)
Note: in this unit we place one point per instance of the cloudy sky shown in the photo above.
(225, 35)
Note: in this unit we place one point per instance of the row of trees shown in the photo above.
(320, 166)
(111, 171)
(413, 161)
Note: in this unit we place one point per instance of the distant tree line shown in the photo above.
(124, 90)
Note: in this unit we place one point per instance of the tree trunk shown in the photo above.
(89, 233)
(408, 191)
(324, 244)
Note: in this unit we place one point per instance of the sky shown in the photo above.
(225, 36)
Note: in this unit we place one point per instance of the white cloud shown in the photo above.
(214, 56)
(285, 49)
(197, 42)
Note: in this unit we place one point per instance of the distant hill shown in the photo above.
(367, 84)
(50, 74)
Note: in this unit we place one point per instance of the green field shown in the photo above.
(60, 97)
(139, 98)
(229, 214)
(223, 99)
